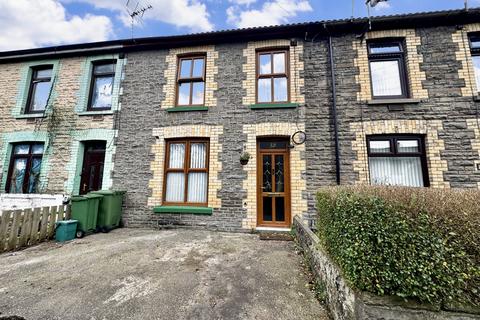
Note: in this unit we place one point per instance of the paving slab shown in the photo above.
(157, 274)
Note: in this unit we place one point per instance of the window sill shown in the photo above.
(180, 209)
(186, 109)
(260, 106)
(95, 113)
(392, 101)
(30, 116)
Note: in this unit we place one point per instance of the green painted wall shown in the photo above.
(74, 167)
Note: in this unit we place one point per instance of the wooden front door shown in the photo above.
(273, 183)
(92, 171)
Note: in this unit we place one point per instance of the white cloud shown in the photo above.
(271, 13)
(242, 2)
(191, 14)
(382, 6)
(34, 23)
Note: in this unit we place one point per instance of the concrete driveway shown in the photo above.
(150, 274)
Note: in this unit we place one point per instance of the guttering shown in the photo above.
(423, 19)
(334, 111)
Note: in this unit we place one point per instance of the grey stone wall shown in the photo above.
(445, 103)
(143, 92)
(141, 113)
(344, 303)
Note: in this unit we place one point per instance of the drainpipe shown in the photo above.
(334, 111)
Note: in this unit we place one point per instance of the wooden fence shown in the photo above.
(23, 228)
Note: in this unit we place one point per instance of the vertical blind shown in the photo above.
(396, 171)
(396, 161)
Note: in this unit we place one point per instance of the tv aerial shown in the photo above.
(372, 4)
(136, 10)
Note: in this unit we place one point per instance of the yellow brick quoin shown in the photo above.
(169, 89)
(298, 184)
(297, 82)
(413, 59)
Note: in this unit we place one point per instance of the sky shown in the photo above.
(40, 23)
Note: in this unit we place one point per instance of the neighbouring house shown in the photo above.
(57, 124)
(391, 101)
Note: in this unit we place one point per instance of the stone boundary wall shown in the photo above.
(344, 303)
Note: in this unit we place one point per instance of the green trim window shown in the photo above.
(101, 86)
(40, 89)
(191, 81)
(25, 165)
(273, 84)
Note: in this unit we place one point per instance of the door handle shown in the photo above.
(274, 194)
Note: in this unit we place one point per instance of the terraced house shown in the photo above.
(172, 120)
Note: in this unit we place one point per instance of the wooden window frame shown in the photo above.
(393, 56)
(272, 75)
(394, 153)
(185, 170)
(95, 75)
(30, 156)
(190, 79)
(34, 79)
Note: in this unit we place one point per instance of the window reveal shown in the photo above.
(186, 172)
(272, 76)
(191, 81)
(101, 86)
(397, 160)
(387, 70)
(475, 50)
(24, 171)
(39, 91)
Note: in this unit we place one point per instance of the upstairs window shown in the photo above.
(24, 171)
(191, 81)
(101, 86)
(387, 70)
(39, 91)
(186, 172)
(475, 49)
(397, 161)
(272, 76)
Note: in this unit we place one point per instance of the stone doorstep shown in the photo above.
(277, 234)
(345, 303)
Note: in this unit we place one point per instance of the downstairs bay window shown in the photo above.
(186, 172)
(397, 161)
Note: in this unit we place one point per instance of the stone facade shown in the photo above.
(441, 112)
(443, 108)
(62, 126)
(146, 123)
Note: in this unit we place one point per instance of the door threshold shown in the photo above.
(274, 229)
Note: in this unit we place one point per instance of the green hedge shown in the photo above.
(413, 243)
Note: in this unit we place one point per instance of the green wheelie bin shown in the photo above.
(85, 211)
(110, 210)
